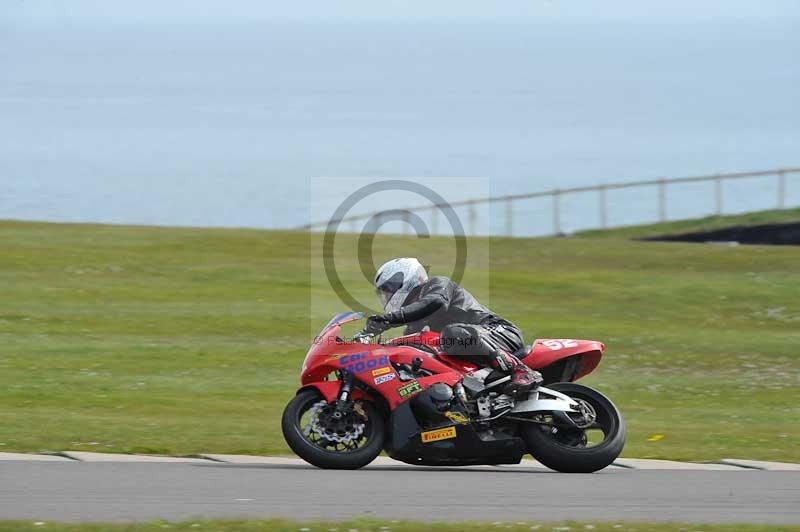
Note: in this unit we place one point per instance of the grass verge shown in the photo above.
(278, 525)
(179, 341)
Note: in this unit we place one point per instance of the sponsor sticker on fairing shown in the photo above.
(437, 435)
(360, 362)
(381, 371)
(409, 389)
(384, 378)
(457, 417)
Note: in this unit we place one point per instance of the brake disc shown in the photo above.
(338, 436)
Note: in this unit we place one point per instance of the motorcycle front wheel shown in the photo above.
(323, 438)
(578, 450)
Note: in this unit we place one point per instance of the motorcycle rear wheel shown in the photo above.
(568, 453)
(358, 451)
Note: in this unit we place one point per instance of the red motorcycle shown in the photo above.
(422, 407)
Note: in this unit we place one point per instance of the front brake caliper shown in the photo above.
(359, 409)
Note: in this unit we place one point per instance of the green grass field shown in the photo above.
(165, 340)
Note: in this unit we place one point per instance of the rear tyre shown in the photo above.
(315, 436)
(568, 450)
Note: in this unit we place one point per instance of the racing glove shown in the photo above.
(377, 324)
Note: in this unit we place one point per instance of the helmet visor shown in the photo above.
(388, 288)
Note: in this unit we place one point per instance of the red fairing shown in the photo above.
(543, 352)
(330, 390)
(547, 351)
(373, 365)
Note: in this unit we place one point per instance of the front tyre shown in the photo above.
(571, 450)
(316, 435)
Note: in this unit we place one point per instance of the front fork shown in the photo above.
(343, 404)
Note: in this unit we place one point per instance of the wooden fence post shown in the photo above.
(556, 212)
(509, 217)
(473, 216)
(601, 190)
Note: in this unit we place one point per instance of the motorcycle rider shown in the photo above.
(467, 328)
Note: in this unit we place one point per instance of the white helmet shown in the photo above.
(396, 279)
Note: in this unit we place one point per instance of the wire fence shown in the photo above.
(557, 196)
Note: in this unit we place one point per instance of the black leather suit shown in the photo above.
(467, 328)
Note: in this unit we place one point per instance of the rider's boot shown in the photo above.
(523, 378)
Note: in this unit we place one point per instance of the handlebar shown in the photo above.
(363, 337)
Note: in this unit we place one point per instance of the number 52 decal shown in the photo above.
(555, 345)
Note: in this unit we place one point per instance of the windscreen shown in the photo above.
(344, 317)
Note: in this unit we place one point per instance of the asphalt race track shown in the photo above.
(82, 491)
